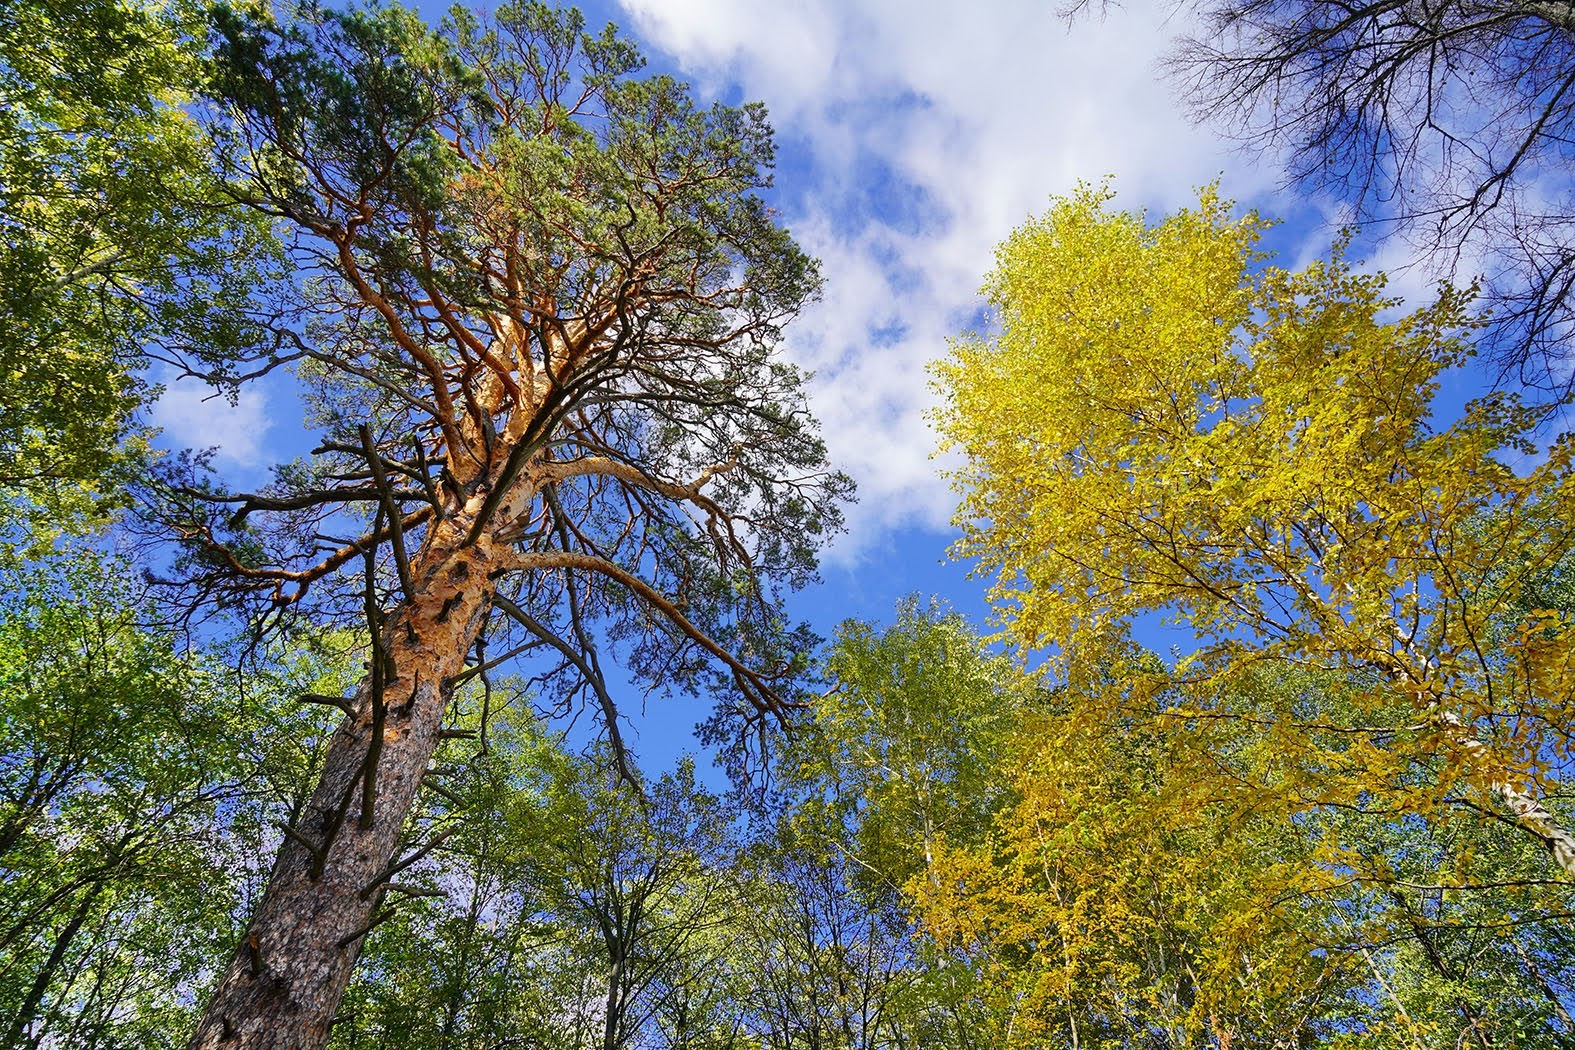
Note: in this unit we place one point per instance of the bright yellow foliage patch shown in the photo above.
(1128, 899)
(1162, 425)
(1366, 745)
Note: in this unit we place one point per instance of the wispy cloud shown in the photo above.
(194, 415)
(913, 137)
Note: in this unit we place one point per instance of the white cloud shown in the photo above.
(914, 136)
(195, 415)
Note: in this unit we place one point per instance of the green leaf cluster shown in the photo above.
(116, 240)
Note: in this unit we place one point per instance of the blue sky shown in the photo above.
(912, 136)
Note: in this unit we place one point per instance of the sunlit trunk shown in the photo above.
(1530, 813)
(286, 979)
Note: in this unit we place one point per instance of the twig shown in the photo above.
(399, 866)
(396, 528)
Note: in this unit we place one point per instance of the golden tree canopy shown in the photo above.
(1163, 425)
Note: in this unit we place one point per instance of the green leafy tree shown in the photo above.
(822, 965)
(902, 754)
(640, 882)
(137, 785)
(905, 747)
(116, 239)
(471, 958)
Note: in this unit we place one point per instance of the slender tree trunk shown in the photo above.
(612, 1019)
(1529, 812)
(57, 953)
(1424, 937)
(285, 980)
(1547, 988)
(455, 999)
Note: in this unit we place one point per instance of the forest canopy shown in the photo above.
(1270, 745)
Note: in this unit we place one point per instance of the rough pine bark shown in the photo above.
(288, 974)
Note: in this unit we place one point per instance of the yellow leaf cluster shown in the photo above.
(1136, 891)
(1367, 741)
(1163, 425)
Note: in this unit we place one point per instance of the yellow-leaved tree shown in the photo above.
(1130, 895)
(1367, 743)
(1163, 427)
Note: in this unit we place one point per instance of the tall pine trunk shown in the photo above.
(576, 283)
(286, 979)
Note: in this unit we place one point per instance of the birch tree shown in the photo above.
(1166, 426)
(1362, 736)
